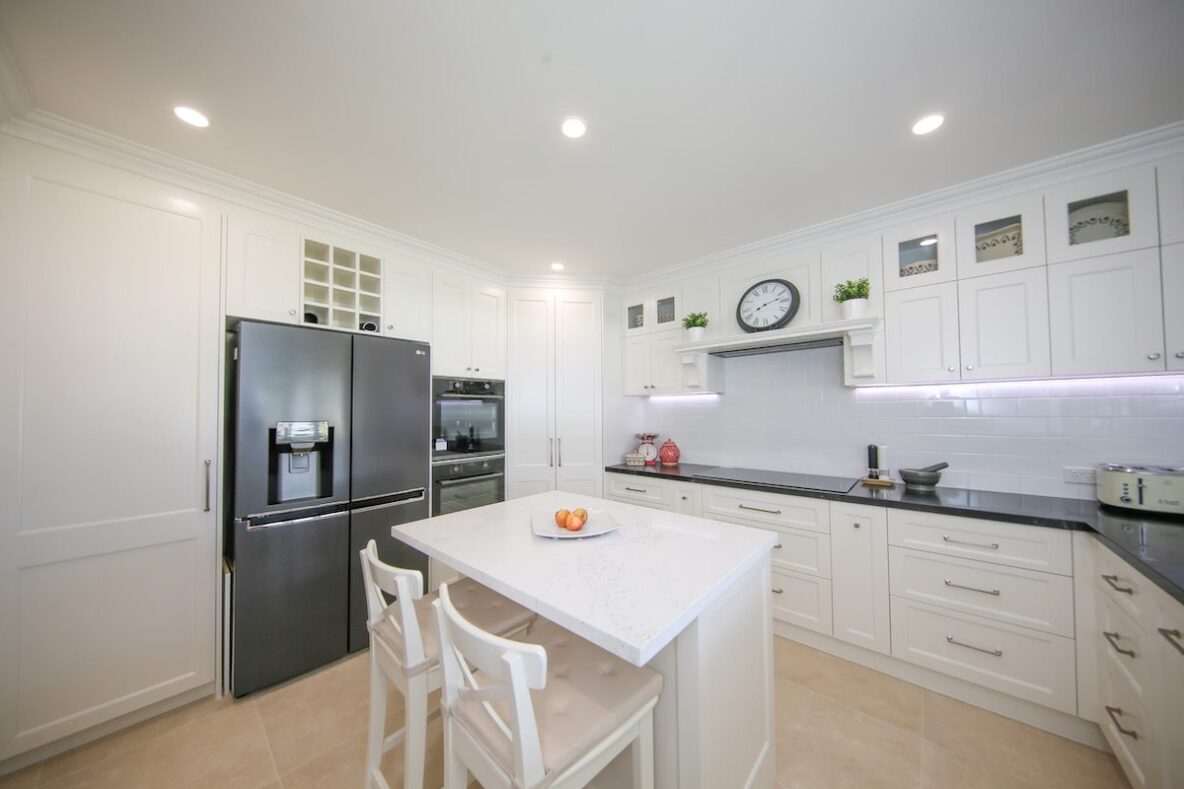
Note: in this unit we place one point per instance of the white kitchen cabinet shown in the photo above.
(468, 327)
(1168, 630)
(646, 490)
(109, 500)
(1170, 181)
(1102, 215)
(850, 259)
(636, 362)
(262, 267)
(665, 364)
(1003, 235)
(921, 334)
(687, 498)
(1172, 259)
(342, 285)
(859, 575)
(1003, 325)
(802, 600)
(1106, 315)
(553, 392)
(406, 298)
(918, 254)
(651, 366)
(652, 311)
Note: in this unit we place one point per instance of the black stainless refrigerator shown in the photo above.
(328, 447)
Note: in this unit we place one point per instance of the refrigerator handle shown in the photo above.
(207, 505)
(422, 495)
(280, 524)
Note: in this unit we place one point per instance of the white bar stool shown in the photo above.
(587, 707)
(405, 650)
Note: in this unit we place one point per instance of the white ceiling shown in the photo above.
(710, 124)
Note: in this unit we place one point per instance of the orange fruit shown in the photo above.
(561, 518)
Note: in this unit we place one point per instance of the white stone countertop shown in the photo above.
(630, 592)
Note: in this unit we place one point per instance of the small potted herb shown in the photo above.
(852, 297)
(696, 324)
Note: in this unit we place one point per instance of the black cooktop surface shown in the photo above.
(780, 479)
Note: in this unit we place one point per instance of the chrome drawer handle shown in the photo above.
(758, 509)
(956, 642)
(1114, 712)
(777, 547)
(636, 490)
(953, 585)
(1173, 637)
(1113, 581)
(778, 591)
(994, 546)
(1113, 639)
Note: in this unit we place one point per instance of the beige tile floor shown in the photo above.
(838, 725)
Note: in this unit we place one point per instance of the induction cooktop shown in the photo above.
(779, 479)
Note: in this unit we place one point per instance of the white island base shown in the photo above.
(685, 596)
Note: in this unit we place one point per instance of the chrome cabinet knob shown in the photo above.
(856, 525)
(952, 369)
(1153, 356)
(476, 369)
(1180, 354)
(390, 327)
(970, 367)
(292, 312)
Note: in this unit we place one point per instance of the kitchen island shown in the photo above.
(685, 596)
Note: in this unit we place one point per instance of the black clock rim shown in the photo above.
(793, 307)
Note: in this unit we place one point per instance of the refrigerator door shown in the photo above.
(374, 523)
(392, 416)
(285, 375)
(290, 589)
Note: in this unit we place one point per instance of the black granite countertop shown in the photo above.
(1153, 545)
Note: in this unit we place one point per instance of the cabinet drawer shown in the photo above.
(800, 551)
(1035, 666)
(1125, 724)
(1029, 547)
(768, 509)
(1006, 594)
(1126, 648)
(1127, 587)
(639, 490)
(801, 600)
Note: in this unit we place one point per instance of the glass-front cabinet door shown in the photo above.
(1005, 235)
(654, 311)
(919, 253)
(1101, 215)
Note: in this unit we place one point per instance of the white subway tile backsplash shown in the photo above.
(791, 412)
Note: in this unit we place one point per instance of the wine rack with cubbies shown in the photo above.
(342, 288)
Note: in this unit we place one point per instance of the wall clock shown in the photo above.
(767, 305)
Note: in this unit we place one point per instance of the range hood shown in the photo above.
(862, 341)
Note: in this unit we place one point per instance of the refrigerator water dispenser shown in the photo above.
(301, 461)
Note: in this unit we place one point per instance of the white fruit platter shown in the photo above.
(600, 522)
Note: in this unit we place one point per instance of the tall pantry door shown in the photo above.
(578, 327)
(108, 404)
(530, 394)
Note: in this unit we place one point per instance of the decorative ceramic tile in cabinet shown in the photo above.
(850, 259)
(1102, 215)
(1106, 316)
(1169, 176)
(1172, 260)
(919, 253)
(1003, 325)
(1005, 235)
(921, 334)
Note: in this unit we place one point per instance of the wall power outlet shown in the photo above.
(1081, 474)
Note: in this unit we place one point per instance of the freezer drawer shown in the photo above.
(290, 594)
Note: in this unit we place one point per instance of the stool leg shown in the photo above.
(415, 742)
(456, 775)
(643, 753)
(377, 719)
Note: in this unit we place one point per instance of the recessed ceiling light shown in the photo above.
(557, 266)
(574, 127)
(191, 116)
(928, 242)
(928, 123)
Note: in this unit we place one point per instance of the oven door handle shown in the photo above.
(460, 396)
(446, 482)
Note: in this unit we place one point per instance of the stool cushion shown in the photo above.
(589, 694)
(478, 604)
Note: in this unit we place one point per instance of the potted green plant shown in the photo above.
(696, 324)
(852, 297)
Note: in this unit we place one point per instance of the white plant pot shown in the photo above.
(695, 333)
(852, 309)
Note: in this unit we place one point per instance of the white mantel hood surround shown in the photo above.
(862, 339)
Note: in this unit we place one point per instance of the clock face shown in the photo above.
(767, 305)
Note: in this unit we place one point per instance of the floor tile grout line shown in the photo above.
(267, 741)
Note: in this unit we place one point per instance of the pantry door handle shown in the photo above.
(953, 585)
(559, 451)
(1114, 712)
(1173, 637)
(994, 546)
(207, 506)
(956, 642)
(1113, 639)
(550, 451)
(1113, 581)
(758, 509)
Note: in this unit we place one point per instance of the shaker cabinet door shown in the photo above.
(859, 575)
(921, 331)
(451, 325)
(489, 331)
(1003, 320)
(263, 276)
(1173, 304)
(637, 365)
(665, 364)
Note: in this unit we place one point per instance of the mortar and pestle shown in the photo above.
(922, 478)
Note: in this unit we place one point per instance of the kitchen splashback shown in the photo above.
(791, 412)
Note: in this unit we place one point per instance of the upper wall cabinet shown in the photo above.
(654, 311)
(799, 267)
(1173, 304)
(262, 267)
(1005, 235)
(701, 294)
(849, 259)
(1106, 315)
(406, 298)
(1102, 215)
(1170, 179)
(1003, 325)
(342, 286)
(468, 327)
(919, 253)
(921, 334)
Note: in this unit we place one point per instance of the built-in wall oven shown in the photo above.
(468, 445)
